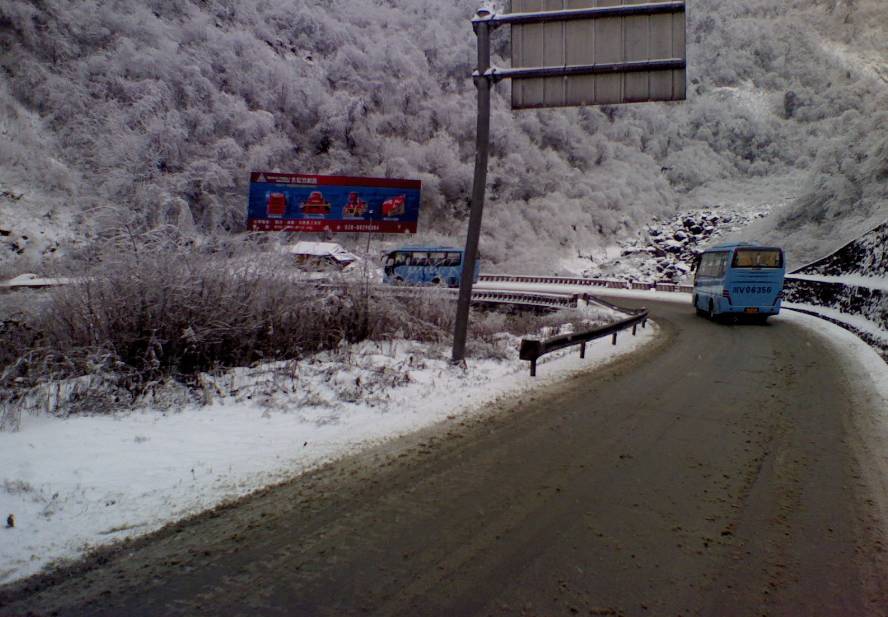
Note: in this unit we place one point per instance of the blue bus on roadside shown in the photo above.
(739, 280)
(425, 265)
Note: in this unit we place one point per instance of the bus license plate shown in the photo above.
(752, 309)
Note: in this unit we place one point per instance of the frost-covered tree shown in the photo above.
(144, 104)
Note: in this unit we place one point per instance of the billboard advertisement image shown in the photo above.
(301, 202)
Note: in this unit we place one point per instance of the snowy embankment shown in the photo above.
(80, 482)
(849, 286)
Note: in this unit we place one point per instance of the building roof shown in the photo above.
(320, 249)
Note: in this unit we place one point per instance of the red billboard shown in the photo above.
(303, 202)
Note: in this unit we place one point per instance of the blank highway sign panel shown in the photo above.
(600, 41)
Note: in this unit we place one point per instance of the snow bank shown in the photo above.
(82, 482)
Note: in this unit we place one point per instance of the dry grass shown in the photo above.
(155, 310)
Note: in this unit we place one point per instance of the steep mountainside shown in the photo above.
(150, 112)
(867, 256)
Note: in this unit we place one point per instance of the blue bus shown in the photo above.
(739, 280)
(425, 265)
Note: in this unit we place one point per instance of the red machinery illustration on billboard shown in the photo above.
(300, 202)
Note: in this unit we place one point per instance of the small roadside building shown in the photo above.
(320, 255)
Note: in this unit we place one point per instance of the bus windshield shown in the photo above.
(758, 258)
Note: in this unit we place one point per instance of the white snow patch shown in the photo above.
(757, 101)
(871, 66)
(81, 482)
(861, 323)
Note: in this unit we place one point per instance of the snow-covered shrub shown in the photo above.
(159, 307)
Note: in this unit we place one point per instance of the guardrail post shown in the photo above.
(634, 326)
(614, 342)
(582, 350)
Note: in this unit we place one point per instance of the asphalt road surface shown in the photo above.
(719, 472)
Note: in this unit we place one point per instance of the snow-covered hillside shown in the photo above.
(144, 113)
(866, 256)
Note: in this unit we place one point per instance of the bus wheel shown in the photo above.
(711, 313)
(399, 280)
(700, 312)
(437, 282)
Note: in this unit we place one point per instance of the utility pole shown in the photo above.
(483, 83)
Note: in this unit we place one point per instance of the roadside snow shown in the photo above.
(81, 482)
(861, 323)
(867, 375)
(863, 366)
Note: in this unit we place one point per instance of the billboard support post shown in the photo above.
(593, 55)
(479, 186)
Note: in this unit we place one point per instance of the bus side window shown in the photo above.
(438, 259)
(419, 259)
(454, 259)
(401, 259)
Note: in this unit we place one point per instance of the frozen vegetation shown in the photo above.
(151, 113)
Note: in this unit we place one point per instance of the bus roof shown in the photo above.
(741, 245)
(428, 249)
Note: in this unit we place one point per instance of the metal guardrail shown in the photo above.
(557, 280)
(521, 298)
(526, 299)
(489, 278)
(533, 349)
(586, 282)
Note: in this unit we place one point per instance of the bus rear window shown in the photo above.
(755, 258)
